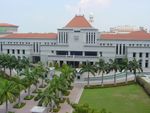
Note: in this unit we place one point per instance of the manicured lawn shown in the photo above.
(124, 99)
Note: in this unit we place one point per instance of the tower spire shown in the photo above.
(80, 12)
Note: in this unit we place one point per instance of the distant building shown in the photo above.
(124, 29)
(6, 28)
(77, 42)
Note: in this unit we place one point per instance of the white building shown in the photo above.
(76, 43)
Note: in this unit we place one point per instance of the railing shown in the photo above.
(109, 77)
(71, 56)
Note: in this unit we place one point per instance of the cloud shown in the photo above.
(86, 5)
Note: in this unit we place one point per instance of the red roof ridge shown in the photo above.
(79, 21)
(135, 35)
(32, 35)
(7, 25)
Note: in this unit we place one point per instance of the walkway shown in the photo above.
(74, 98)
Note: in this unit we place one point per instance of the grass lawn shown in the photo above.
(124, 99)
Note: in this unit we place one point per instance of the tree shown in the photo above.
(48, 97)
(8, 93)
(41, 71)
(124, 65)
(29, 78)
(68, 73)
(101, 68)
(134, 66)
(114, 67)
(3, 60)
(19, 87)
(11, 63)
(89, 69)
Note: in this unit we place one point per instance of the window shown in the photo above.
(13, 51)
(120, 49)
(18, 51)
(117, 49)
(7, 51)
(134, 55)
(124, 49)
(146, 63)
(52, 51)
(140, 55)
(147, 55)
(140, 63)
(23, 51)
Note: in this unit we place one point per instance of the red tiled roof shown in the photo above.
(136, 35)
(32, 35)
(7, 25)
(78, 21)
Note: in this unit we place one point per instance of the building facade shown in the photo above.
(76, 43)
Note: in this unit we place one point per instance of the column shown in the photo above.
(83, 53)
(89, 38)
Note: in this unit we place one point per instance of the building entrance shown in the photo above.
(36, 59)
(74, 64)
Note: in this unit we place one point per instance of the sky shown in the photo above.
(49, 15)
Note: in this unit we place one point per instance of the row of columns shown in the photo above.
(62, 37)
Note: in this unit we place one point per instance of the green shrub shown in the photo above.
(29, 97)
(19, 105)
(55, 110)
(37, 91)
(68, 100)
(50, 64)
(10, 112)
(66, 93)
(144, 84)
(42, 86)
(62, 101)
(37, 98)
(70, 88)
(108, 85)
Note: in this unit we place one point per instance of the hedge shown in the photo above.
(144, 84)
(109, 85)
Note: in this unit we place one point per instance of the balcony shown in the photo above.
(73, 57)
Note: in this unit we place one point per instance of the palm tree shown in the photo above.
(19, 87)
(124, 65)
(8, 93)
(11, 63)
(48, 97)
(41, 71)
(101, 68)
(29, 78)
(134, 66)
(68, 73)
(114, 67)
(59, 86)
(3, 60)
(89, 69)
